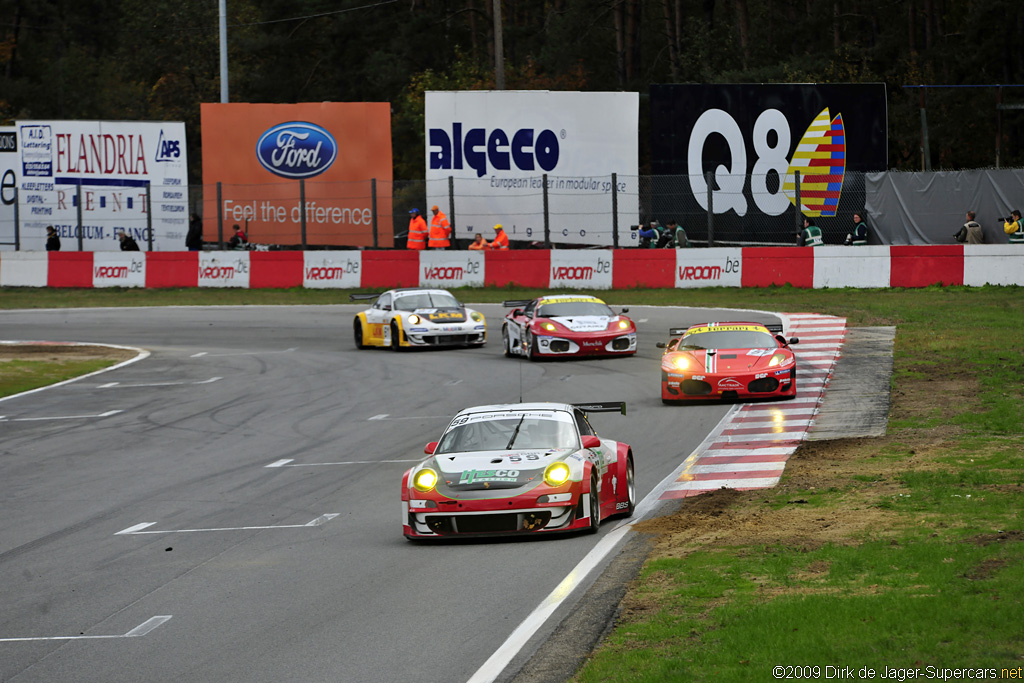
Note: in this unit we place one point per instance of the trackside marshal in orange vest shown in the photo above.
(417, 238)
(500, 240)
(439, 230)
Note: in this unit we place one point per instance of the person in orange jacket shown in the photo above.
(478, 243)
(500, 240)
(440, 231)
(417, 238)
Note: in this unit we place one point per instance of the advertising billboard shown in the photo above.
(497, 147)
(754, 140)
(108, 177)
(8, 185)
(267, 156)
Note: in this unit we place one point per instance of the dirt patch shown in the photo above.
(56, 353)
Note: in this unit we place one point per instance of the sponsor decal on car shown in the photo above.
(481, 476)
(729, 383)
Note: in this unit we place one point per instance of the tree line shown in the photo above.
(158, 60)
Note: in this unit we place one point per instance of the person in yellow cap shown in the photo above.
(440, 231)
(500, 240)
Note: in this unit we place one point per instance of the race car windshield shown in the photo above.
(412, 302)
(497, 435)
(734, 339)
(574, 308)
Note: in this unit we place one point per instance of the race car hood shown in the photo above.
(496, 469)
(442, 315)
(731, 360)
(583, 323)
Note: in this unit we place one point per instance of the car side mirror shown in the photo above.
(662, 345)
(625, 310)
(794, 340)
(517, 311)
(430, 448)
(591, 441)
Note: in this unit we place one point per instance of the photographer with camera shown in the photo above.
(970, 232)
(648, 236)
(1012, 227)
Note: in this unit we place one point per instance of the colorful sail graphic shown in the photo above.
(820, 157)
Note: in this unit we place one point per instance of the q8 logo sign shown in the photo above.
(754, 139)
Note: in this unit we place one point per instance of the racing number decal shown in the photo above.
(386, 331)
(519, 458)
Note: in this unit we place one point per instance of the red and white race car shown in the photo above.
(727, 360)
(566, 325)
(519, 469)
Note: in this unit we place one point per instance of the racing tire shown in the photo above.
(506, 342)
(670, 402)
(531, 346)
(396, 340)
(595, 507)
(630, 489)
(357, 334)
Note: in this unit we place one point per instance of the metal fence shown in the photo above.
(547, 211)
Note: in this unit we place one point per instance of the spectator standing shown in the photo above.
(238, 240)
(194, 237)
(128, 242)
(478, 243)
(1014, 228)
(500, 240)
(859, 236)
(440, 231)
(417, 239)
(52, 239)
(970, 232)
(681, 239)
(810, 236)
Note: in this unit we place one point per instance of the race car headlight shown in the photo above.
(414, 319)
(424, 480)
(556, 474)
(548, 326)
(477, 317)
(680, 362)
(776, 360)
(623, 325)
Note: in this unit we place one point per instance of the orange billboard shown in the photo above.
(272, 160)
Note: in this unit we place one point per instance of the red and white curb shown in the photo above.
(750, 446)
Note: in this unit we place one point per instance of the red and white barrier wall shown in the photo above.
(872, 266)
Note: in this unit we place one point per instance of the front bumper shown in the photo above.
(604, 344)
(448, 335)
(705, 386)
(494, 518)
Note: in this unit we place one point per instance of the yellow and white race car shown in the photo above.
(414, 317)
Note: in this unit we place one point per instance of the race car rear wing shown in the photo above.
(515, 303)
(676, 331)
(362, 297)
(774, 329)
(602, 407)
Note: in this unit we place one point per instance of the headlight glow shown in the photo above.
(414, 319)
(556, 474)
(477, 317)
(424, 480)
(776, 360)
(549, 327)
(623, 325)
(681, 362)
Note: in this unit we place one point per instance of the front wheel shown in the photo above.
(506, 342)
(595, 507)
(531, 346)
(396, 342)
(357, 333)
(630, 490)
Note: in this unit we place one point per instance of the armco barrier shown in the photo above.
(821, 267)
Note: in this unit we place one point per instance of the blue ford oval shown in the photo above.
(296, 149)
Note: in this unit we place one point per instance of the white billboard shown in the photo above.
(447, 269)
(8, 185)
(497, 146)
(108, 175)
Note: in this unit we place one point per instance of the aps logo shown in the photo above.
(166, 149)
(296, 149)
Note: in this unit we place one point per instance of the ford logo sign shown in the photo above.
(296, 150)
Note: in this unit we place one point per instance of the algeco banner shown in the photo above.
(756, 139)
(497, 147)
(110, 176)
(260, 153)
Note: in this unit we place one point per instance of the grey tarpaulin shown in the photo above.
(929, 208)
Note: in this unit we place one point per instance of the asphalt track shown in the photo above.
(227, 509)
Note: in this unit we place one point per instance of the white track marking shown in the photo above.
(64, 417)
(382, 416)
(198, 355)
(250, 353)
(280, 463)
(137, 632)
(159, 384)
(137, 529)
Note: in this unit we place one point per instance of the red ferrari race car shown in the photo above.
(731, 360)
(519, 469)
(567, 325)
